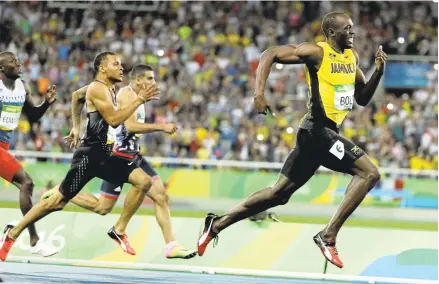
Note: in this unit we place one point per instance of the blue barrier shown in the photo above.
(407, 199)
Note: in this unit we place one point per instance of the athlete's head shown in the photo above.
(109, 64)
(142, 75)
(10, 65)
(338, 27)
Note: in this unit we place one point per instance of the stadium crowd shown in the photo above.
(205, 55)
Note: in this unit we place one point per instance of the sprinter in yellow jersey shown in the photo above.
(334, 81)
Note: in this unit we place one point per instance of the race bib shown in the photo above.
(344, 96)
(111, 135)
(9, 117)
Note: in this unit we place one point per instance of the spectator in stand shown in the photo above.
(206, 54)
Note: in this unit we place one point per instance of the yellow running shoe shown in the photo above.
(177, 251)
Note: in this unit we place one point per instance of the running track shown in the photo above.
(24, 273)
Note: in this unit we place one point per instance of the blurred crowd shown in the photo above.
(205, 55)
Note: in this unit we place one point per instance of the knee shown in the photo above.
(161, 198)
(145, 184)
(373, 177)
(54, 204)
(103, 210)
(28, 185)
(281, 199)
(59, 206)
(281, 195)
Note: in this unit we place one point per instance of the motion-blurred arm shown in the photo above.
(78, 102)
(308, 53)
(364, 91)
(33, 111)
(134, 126)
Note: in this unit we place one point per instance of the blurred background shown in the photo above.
(205, 56)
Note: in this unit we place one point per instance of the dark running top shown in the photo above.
(97, 128)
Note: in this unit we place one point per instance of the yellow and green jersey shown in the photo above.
(330, 89)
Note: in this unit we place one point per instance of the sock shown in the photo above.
(171, 244)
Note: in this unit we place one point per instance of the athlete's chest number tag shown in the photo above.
(344, 96)
(9, 117)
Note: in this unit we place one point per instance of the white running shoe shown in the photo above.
(43, 249)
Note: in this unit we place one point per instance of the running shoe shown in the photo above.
(122, 241)
(329, 250)
(208, 234)
(177, 251)
(43, 249)
(6, 243)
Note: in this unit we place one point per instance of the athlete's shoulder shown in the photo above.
(305, 46)
(321, 44)
(81, 90)
(125, 93)
(19, 83)
(125, 90)
(96, 90)
(312, 53)
(80, 93)
(311, 49)
(96, 87)
(357, 58)
(309, 45)
(325, 47)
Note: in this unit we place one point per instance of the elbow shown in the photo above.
(363, 102)
(113, 123)
(77, 98)
(130, 129)
(32, 116)
(268, 55)
(359, 100)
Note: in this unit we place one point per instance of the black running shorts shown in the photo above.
(90, 162)
(319, 147)
(113, 190)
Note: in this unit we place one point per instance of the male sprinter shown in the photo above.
(334, 80)
(127, 147)
(15, 95)
(92, 158)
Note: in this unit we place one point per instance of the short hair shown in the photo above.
(3, 54)
(99, 58)
(139, 70)
(329, 20)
